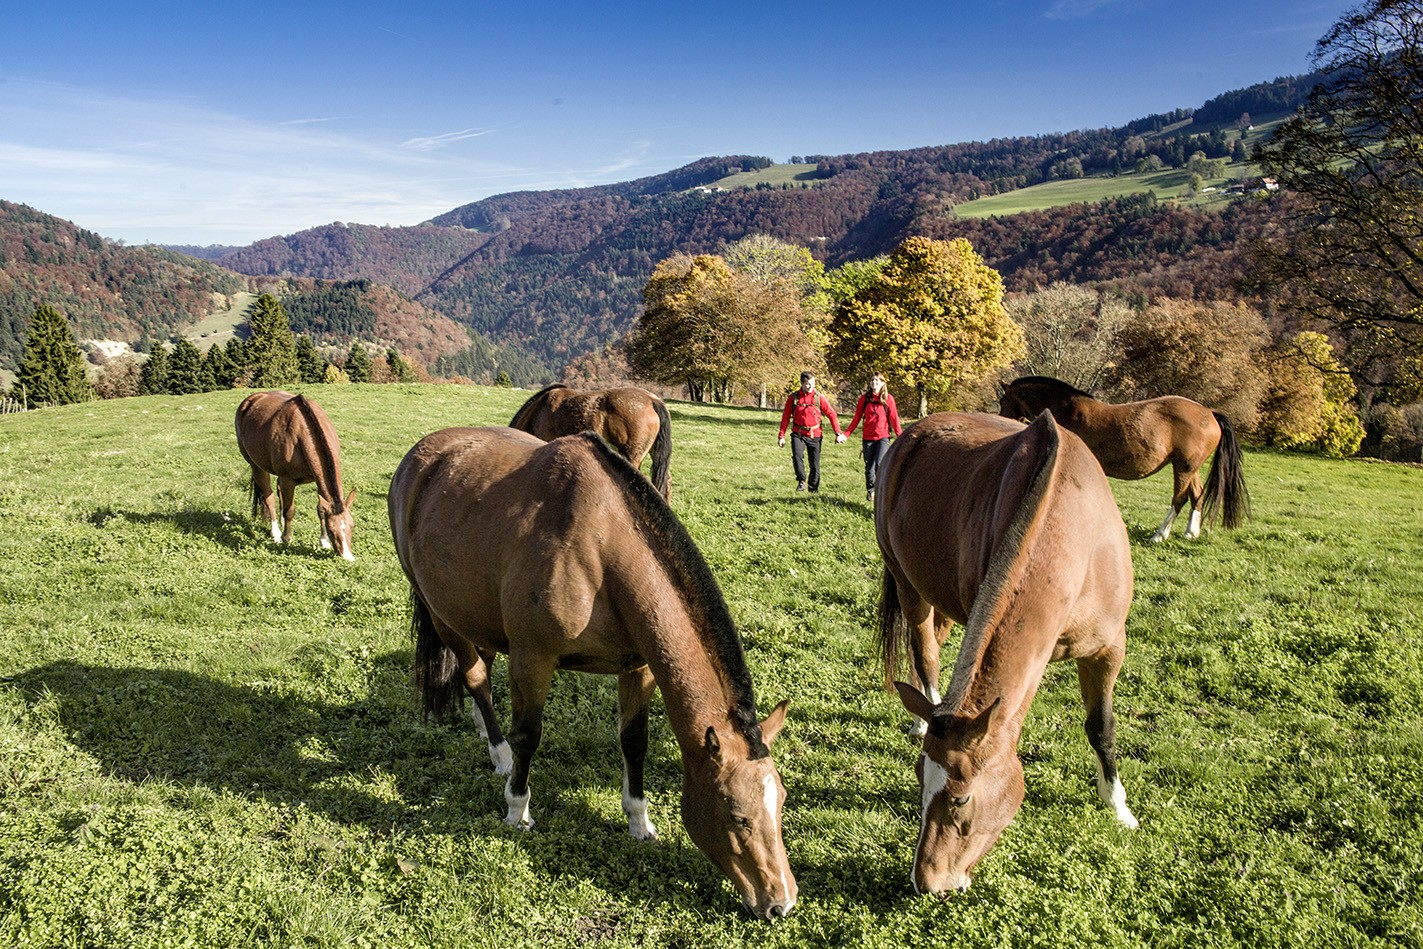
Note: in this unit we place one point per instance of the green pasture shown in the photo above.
(209, 740)
(218, 326)
(1168, 184)
(798, 175)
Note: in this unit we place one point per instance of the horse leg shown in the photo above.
(476, 680)
(927, 632)
(635, 690)
(264, 504)
(287, 487)
(1196, 493)
(529, 684)
(1097, 677)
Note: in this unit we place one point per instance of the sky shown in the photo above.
(227, 123)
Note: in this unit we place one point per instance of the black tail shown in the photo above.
(662, 451)
(436, 668)
(256, 495)
(1225, 494)
(893, 630)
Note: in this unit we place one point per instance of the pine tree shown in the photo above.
(185, 369)
(400, 368)
(358, 364)
(154, 379)
(271, 348)
(52, 369)
(310, 364)
(217, 369)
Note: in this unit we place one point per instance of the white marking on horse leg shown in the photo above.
(277, 531)
(1193, 529)
(325, 541)
(1114, 795)
(501, 757)
(639, 825)
(518, 815)
(1164, 531)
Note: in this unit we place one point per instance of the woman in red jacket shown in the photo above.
(876, 407)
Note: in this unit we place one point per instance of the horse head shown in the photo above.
(731, 807)
(971, 786)
(1012, 403)
(336, 525)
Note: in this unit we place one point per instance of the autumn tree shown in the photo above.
(797, 282)
(398, 367)
(120, 378)
(52, 369)
(711, 328)
(271, 347)
(1351, 253)
(932, 319)
(1306, 406)
(1203, 351)
(1070, 333)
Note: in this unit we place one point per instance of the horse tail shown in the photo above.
(662, 451)
(1225, 492)
(893, 630)
(256, 492)
(436, 667)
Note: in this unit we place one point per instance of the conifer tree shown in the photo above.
(154, 378)
(400, 368)
(310, 364)
(358, 364)
(185, 369)
(52, 369)
(271, 348)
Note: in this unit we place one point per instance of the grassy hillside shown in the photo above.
(209, 740)
(796, 175)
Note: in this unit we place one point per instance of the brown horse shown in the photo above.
(1012, 532)
(290, 436)
(634, 421)
(563, 557)
(1138, 439)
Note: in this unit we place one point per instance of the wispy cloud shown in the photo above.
(1076, 9)
(305, 121)
(429, 143)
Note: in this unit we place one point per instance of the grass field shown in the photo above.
(209, 740)
(218, 326)
(798, 175)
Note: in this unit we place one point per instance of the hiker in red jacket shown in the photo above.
(802, 414)
(881, 416)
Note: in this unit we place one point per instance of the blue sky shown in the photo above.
(207, 124)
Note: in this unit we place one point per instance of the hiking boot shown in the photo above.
(800, 486)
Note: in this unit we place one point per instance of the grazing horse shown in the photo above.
(290, 436)
(1138, 439)
(634, 421)
(1011, 531)
(563, 556)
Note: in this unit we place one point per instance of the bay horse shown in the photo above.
(1012, 531)
(562, 556)
(290, 436)
(1137, 439)
(633, 420)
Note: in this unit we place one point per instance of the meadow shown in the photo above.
(210, 740)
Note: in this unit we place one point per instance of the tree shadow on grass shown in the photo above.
(372, 763)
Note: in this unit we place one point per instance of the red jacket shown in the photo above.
(880, 416)
(802, 413)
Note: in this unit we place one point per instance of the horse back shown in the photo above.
(275, 434)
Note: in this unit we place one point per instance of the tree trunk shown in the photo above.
(923, 400)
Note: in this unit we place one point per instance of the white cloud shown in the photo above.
(431, 142)
(1075, 9)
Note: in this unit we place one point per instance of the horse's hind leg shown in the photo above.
(287, 487)
(1097, 677)
(928, 629)
(476, 680)
(264, 503)
(635, 690)
(529, 681)
(1181, 481)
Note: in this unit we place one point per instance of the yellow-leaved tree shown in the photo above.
(931, 319)
(1307, 405)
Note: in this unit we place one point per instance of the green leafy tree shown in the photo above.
(52, 369)
(154, 378)
(503, 381)
(1352, 160)
(185, 369)
(358, 364)
(335, 375)
(310, 364)
(933, 319)
(271, 347)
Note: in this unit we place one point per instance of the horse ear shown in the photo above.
(914, 701)
(713, 744)
(347, 502)
(982, 724)
(771, 724)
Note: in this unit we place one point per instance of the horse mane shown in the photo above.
(532, 405)
(1048, 382)
(698, 585)
(329, 467)
(1000, 567)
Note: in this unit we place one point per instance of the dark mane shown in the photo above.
(695, 579)
(325, 457)
(1048, 382)
(531, 405)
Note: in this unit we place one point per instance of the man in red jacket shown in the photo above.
(881, 416)
(802, 414)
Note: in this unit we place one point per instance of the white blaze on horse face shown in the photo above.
(639, 825)
(518, 815)
(935, 780)
(772, 797)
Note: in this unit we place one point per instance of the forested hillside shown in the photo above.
(560, 273)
